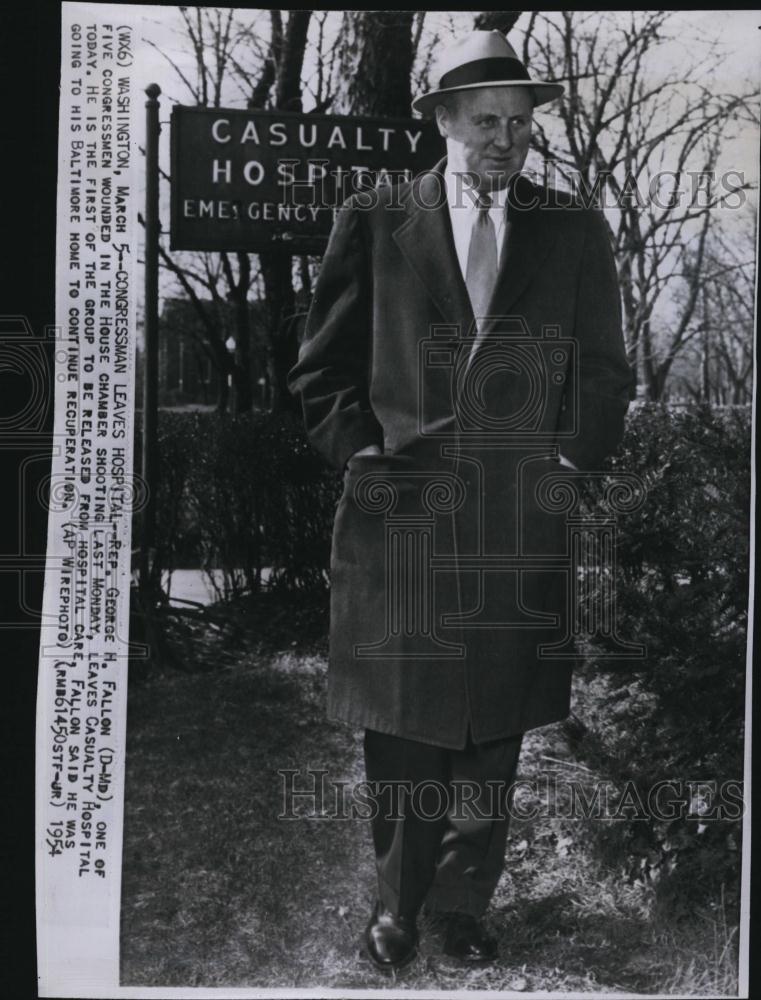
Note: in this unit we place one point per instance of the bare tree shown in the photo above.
(652, 140)
(229, 52)
(283, 68)
(363, 67)
(722, 357)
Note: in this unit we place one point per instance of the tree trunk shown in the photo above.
(288, 55)
(375, 63)
(704, 354)
(288, 88)
(223, 393)
(244, 396)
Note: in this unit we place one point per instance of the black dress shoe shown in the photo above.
(465, 938)
(391, 940)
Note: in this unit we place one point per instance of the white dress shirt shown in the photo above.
(463, 211)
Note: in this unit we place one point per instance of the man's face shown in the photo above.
(488, 131)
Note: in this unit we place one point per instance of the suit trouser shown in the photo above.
(440, 821)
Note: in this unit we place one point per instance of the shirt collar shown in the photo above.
(460, 194)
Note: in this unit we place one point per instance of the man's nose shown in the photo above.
(503, 136)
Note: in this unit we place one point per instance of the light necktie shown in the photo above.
(481, 270)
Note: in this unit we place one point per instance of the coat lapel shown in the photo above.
(425, 238)
(529, 236)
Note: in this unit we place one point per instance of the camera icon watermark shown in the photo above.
(500, 381)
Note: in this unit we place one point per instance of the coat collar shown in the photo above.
(425, 238)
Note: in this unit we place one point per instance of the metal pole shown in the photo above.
(150, 359)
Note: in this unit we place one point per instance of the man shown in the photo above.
(463, 352)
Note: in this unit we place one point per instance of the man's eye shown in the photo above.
(519, 122)
(488, 122)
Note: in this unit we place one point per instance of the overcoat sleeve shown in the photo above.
(332, 374)
(605, 383)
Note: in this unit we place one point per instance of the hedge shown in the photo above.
(682, 590)
(243, 495)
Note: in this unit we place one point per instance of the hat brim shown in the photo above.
(543, 92)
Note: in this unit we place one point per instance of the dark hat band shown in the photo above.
(484, 71)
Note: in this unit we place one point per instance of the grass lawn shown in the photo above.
(217, 891)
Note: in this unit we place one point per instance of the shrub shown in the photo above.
(244, 495)
(682, 590)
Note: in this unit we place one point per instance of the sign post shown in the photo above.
(151, 356)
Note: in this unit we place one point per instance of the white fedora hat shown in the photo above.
(481, 59)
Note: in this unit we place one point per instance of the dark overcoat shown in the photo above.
(451, 565)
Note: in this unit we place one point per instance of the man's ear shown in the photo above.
(442, 120)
